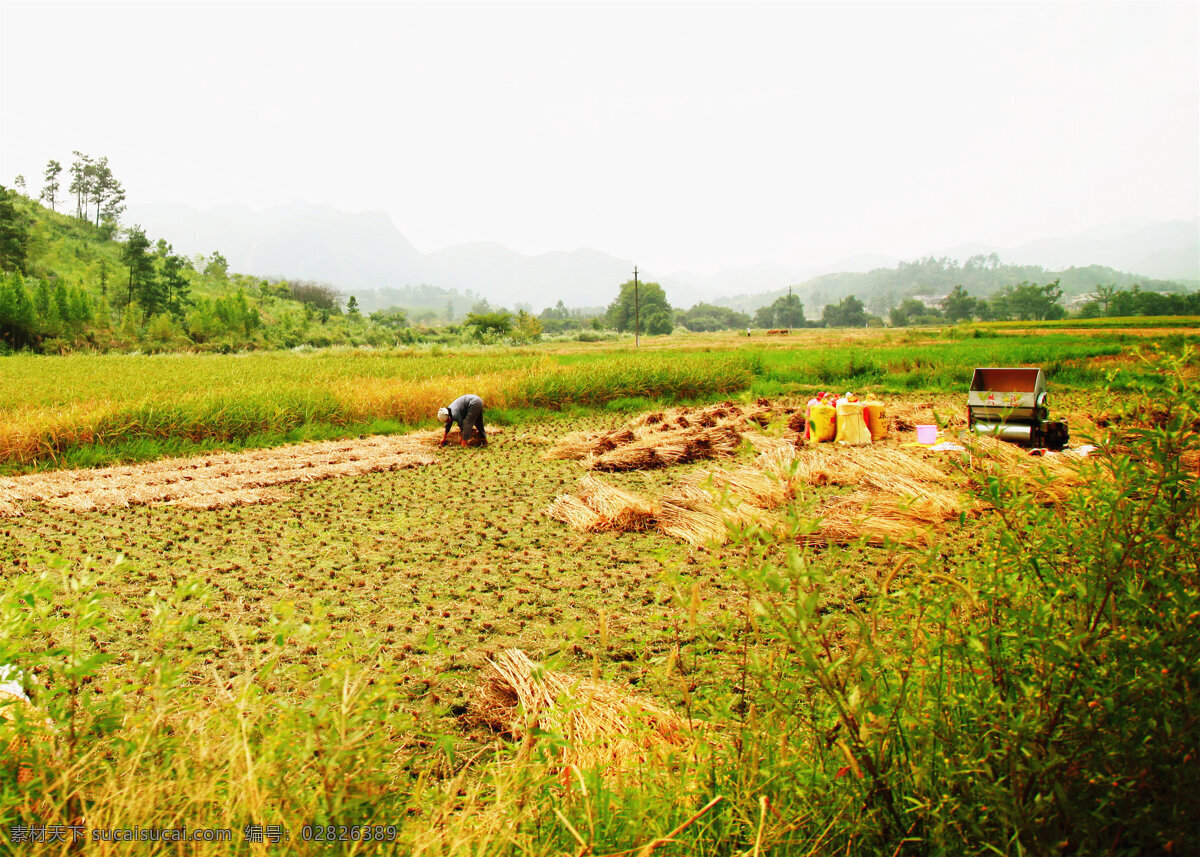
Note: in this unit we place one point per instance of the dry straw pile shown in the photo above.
(1051, 478)
(668, 438)
(603, 725)
(218, 480)
(598, 507)
(900, 495)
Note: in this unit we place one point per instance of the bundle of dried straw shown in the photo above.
(603, 725)
(598, 506)
(213, 481)
(664, 439)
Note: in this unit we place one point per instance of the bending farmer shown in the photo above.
(467, 411)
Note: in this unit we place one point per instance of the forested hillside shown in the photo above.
(884, 289)
(79, 280)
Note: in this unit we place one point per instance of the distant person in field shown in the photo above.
(467, 411)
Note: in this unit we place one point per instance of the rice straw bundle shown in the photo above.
(599, 507)
(226, 499)
(16, 708)
(749, 484)
(171, 480)
(603, 725)
(618, 509)
(16, 751)
(9, 504)
(669, 448)
(574, 446)
(906, 416)
(575, 513)
(764, 443)
(930, 506)
(1052, 478)
(675, 436)
(844, 521)
(694, 521)
(641, 457)
(877, 466)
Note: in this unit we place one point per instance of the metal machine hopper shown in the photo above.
(1011, 404)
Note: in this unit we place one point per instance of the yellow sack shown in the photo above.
(822, 423)
(873, 413)
(851, 427)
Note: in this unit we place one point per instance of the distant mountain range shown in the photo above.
(364, 254)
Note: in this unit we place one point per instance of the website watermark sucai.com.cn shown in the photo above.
(76, 833)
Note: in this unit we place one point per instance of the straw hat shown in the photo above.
(443, 415)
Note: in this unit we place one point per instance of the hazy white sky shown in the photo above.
(680, 135)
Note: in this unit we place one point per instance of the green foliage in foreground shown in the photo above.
(1037, 695)
(1031, 693)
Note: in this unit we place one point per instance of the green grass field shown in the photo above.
(1027, 680)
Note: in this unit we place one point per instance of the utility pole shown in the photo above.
(637, 313)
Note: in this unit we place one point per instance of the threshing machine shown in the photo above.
(1011, 404)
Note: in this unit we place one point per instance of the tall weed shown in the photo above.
(1034, 694)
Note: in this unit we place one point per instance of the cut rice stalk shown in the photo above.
(603, 725)
(694, 522)
(226, 499)
(618, 509)
(574, 513)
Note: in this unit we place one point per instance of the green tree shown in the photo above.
(707, 317)
(393, 318)
(527, 328)
(1031, 302)
(81, 309)
(317, 296)
(352, 308)
(14, 233)
(106, 192)
(652, 302)
(958, 305)
(62, 302)
(217, 267)
(140, 264)
(912, 311)
(786, 311)
(1104, 294)
(17, 317)
(236, 314)
(51, 186)
(849, 312)
(484, 323)
(658, 323)
(81, 183)
(558, 312)
(175, 285)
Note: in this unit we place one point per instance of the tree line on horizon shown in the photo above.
(77, 280)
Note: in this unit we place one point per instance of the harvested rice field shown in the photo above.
(406, 630)
(436, 558)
